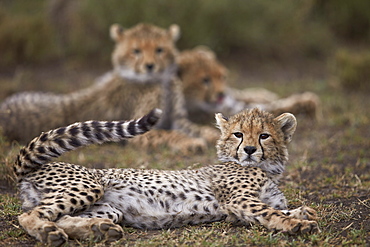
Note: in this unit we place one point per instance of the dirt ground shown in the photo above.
(329, 159)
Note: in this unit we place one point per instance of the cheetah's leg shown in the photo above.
(303, 213)
(307, 103)
(250, 210)
(103, 210)
(252, 95)
(40, 221)
(83, 228)
(274, 197)
(41, 228)
(99, 221)
(173, 139)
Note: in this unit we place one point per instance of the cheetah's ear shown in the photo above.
(221, 121)
(205, 51)
(174, 31)
(287, 123)
(116, 32)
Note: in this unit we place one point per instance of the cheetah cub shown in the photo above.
(69, 201)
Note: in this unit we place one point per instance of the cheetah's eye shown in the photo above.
(238, 135)
(206, 80)
(159, 50)
(136, 51)
(264, 136)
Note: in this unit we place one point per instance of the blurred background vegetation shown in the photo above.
(43, 31)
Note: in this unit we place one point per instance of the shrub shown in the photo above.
(352, 70)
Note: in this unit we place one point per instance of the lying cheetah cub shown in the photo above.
(69, 201)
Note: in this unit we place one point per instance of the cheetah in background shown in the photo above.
(144, 61)
(207, 92)
(64, 201)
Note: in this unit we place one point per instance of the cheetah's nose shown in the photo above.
(149, 67)
(220, 97)
(250, 149)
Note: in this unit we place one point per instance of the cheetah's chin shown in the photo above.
(249, 162)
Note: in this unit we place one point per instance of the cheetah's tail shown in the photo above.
(54, 143)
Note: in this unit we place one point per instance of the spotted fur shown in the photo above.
(69, 201)
(256, 138)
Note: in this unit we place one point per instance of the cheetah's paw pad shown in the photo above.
(304, 227)
(53, 235)
(107, 230)
(308, 213)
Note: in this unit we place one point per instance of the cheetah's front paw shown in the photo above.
(52, 235)
(301, 227)
(308, 213)
(303, 213)
(106, 230)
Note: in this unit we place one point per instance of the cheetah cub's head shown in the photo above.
(145, 53)
(204, 79)
(255, 138)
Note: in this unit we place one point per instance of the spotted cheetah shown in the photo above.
(64, 201)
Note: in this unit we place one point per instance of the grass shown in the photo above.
(328, 170)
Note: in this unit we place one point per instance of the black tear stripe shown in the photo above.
(263, 150)
(236, 155)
